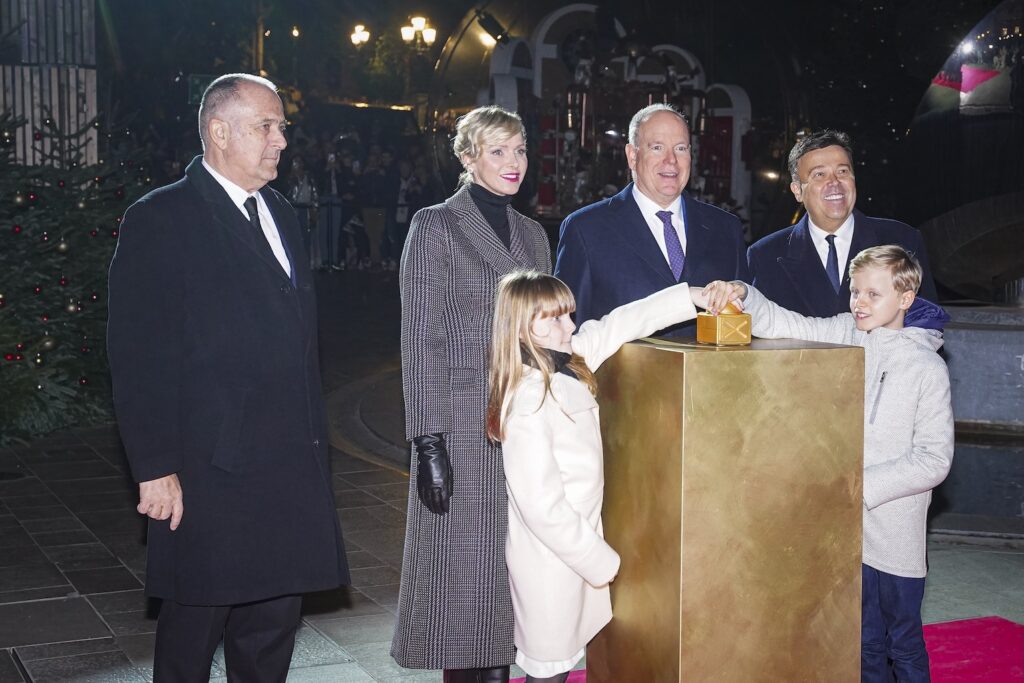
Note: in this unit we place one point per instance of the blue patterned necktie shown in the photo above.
(676, 258)
(832, 265)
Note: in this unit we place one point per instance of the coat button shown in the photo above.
(316, 443)
(284, 289)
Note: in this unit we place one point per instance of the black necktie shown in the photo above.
(832, 265)
(254, 214)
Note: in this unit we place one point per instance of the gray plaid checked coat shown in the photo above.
(455, 609)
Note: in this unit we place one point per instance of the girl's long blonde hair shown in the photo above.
(524, 296)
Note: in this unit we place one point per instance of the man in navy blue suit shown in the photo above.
(650, 235)
(803, 267)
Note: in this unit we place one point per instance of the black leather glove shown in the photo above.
(433, 473)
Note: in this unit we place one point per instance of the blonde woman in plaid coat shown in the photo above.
(455, 609)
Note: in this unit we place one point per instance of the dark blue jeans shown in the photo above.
(891, 633)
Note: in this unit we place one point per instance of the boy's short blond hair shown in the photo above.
(904, 266)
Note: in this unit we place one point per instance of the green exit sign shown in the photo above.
(197, 84)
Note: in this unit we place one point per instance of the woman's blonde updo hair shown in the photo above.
(483, 126)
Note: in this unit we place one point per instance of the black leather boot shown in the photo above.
(497, 674)
(463, 676)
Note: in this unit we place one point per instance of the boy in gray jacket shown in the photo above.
(908, 440)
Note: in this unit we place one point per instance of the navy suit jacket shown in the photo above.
(786, 268)
(608, 256)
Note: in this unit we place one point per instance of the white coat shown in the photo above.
(558, 562)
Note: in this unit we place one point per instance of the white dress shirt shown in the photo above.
(238, 197)
(650, 209)
(844, 238)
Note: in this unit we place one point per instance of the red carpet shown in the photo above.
(989, 650)
(986, 650)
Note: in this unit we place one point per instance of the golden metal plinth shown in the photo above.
(728, 328)
(733, 494)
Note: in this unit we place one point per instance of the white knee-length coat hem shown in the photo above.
(559, 563)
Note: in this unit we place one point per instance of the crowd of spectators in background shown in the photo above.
(355, 201)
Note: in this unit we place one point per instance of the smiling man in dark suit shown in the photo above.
(651, 235)
(803, 267)
(213, 356)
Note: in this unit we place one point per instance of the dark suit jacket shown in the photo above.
(608, 256)
(213, 355)
(786, 268)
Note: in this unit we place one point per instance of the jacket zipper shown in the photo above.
(878, 398)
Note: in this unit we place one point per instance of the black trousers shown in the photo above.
(258, 640)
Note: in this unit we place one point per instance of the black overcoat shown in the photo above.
(213, 355)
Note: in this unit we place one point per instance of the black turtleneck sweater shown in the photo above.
(493, 207)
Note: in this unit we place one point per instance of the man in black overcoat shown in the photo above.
(213, 354)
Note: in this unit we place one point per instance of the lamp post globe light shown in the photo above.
(418, 34)
(360, 36)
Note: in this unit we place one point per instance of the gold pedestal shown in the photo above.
(733, 494)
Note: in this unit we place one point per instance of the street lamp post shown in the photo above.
(418, 35)
(360, 36)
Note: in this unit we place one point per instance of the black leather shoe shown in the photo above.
(462, 676)
(498, 674)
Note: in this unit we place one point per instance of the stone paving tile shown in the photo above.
(83, 556)
(124, 601)
(139, 649)
(73, 470)
(21, 487)
(389, 516)
(21, 554)
(385, 595)
(57, 538)
(413, 677)
(106, 580)
(17, 504)
(357, 519)
(398, 491)
(114, 521)
(344, 602)
(353, 499)
(14, 537)
(385, 544)
(131, 623)
(9, 672)
(102, 667)
(28, 576)
(350, 631)
(31, 594)
(332, 673)
(360, 559)
(44, 512)
(77, 487)
(59, 455)
(376, 659)
(313, 649)
(109, 500)
(374, 576)
(49, 621)
(36, 526)
(342, 463)
(378, 476)
(31, 653)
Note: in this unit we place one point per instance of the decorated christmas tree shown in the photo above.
(58, 231)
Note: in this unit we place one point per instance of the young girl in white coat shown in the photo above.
(542, 409)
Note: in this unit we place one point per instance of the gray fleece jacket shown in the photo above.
(908, 425)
